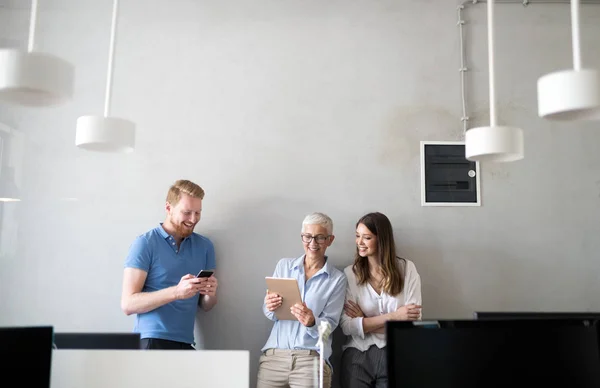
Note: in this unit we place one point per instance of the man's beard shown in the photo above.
(183, 231)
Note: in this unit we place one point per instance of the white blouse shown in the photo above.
(373, 304)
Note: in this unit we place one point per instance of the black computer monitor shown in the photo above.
(536, 315)
(97, 340)
(493, 353)
(26, 354)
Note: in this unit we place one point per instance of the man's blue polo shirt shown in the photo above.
(156, 253)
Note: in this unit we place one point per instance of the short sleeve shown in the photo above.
(139, 255)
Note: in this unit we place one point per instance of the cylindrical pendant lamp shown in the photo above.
(33, 78)
(493, 143)
(570, 94)
(105, 133)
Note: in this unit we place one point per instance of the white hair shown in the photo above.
(319, 219)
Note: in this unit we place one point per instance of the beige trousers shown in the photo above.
(283, 368)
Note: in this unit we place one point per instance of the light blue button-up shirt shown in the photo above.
(323, 293)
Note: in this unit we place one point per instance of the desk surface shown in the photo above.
(149, 368)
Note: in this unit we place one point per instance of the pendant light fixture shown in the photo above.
(34, 78)
(570, 94)
(105, 133)
(494, 143)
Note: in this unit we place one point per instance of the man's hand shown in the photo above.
(303, 314)
(208, 286)
(188, 286)
(273, 301)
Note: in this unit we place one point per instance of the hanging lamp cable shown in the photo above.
(32, 25)
(111, 58)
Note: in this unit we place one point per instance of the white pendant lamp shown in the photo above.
(33, 78)
(494, 143)
(570, 94)
(105, 133)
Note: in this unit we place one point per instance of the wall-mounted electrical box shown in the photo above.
(447, 177)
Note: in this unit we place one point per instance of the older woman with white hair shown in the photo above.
(291, 352)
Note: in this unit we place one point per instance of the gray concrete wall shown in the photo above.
(281, 108)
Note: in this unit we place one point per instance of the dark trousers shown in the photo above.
(364, 369)
(162, 344)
